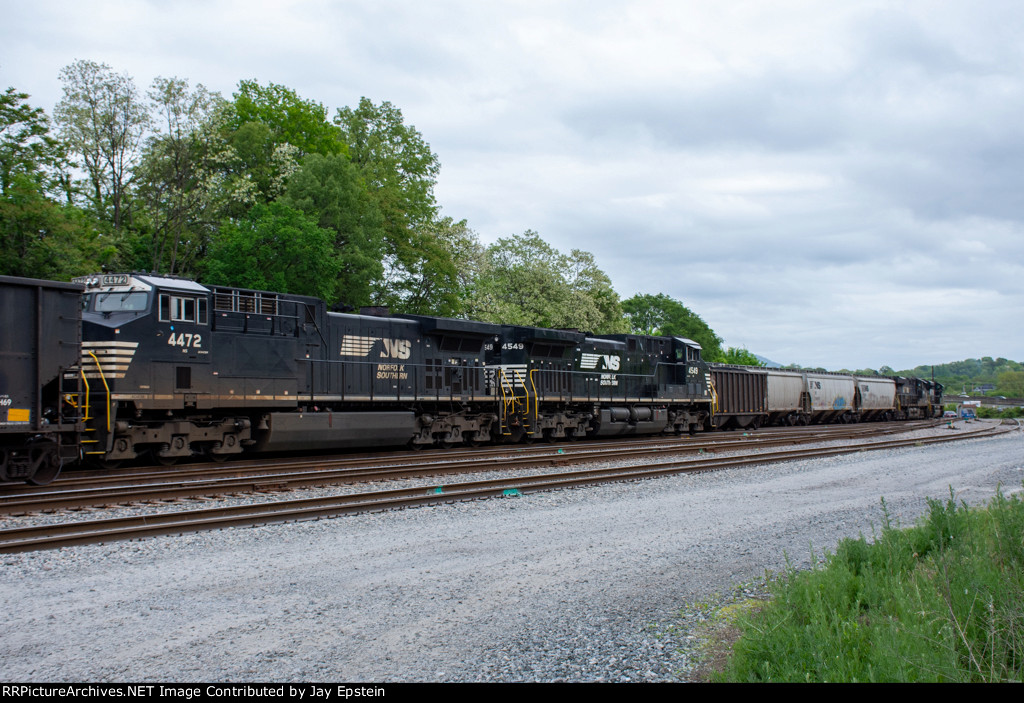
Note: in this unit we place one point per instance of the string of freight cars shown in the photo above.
(114, 367)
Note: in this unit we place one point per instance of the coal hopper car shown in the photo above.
(41, 401)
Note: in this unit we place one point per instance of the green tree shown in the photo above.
(441, 280)
(330, 191)
(523, 280)
(1011, 384)
(289, 118)
(400, 171)
(180, 185)
(267, 131)
(103, 120)
(275, 248)
(592, 291)
(26, 146)
(39, 237)
(254, 160)
(665, 316)
(394, 159)
(740, 357)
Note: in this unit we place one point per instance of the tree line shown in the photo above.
(268, 190)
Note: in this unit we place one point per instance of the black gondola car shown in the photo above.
(741, 396)
(40, 399)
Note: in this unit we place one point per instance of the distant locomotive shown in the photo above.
(165, 367)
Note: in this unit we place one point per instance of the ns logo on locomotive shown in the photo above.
(116, 367)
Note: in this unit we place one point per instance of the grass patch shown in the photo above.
(943, 601)
(1005, 414)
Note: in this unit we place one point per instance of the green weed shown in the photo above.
(943, 601)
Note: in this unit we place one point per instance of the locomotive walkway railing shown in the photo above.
(517, 391)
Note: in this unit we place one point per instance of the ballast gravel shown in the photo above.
(606, 583)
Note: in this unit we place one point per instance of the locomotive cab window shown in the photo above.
(121, 301)
(180, 308)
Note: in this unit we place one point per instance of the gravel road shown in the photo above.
(575, 585)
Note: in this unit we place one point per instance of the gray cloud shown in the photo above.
(834, 184)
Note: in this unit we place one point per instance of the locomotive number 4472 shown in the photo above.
(185, 339)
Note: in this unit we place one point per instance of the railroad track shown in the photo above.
(102, 489)
(159, 474)
(184, 521)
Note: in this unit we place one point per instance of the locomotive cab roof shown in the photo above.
(137, 281)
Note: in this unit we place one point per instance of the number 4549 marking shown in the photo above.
(186, 340)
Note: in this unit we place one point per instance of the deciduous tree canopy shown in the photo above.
(275, 248)
(524, 280)
(103, 120)
(264, 191)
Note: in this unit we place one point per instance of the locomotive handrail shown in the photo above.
(566, 385)
(504, 400)
(526, 391)
(85, 403)
(106, 386)
(536, 400)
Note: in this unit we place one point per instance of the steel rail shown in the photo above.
(78, 479)
(414, 465)
(113, 529)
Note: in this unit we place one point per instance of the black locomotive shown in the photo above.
(127, 365)
(175, 368)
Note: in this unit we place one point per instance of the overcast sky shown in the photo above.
(835, 184)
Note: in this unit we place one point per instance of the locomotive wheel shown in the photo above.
(165, 460)
(570, 435)
(473, 439)
(46, 473)
(216, 458)
(43, 455)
